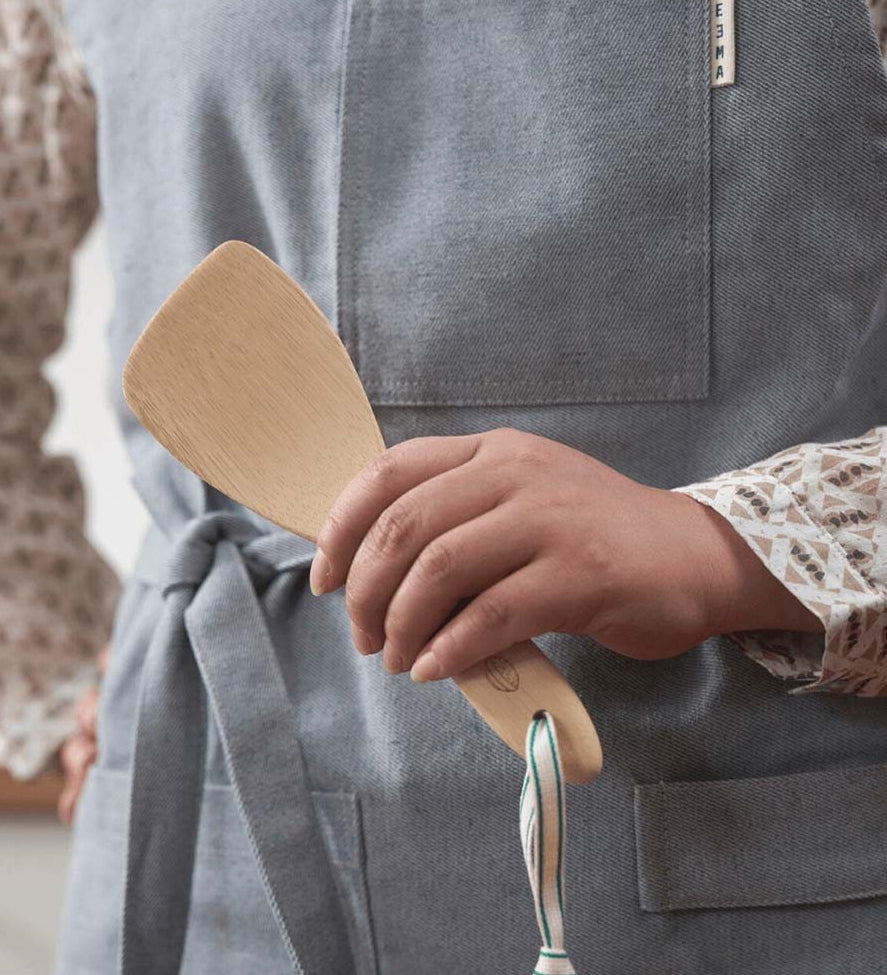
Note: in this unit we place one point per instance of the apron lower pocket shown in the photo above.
(808, 838)
(231, 929)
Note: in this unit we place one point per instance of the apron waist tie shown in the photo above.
(212, 644)
(543, 828)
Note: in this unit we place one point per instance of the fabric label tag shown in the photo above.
(723, 44)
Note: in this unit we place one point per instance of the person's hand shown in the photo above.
(79, 752)
(452, 549)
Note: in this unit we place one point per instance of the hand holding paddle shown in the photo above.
(240, 377)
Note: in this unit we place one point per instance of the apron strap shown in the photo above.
(164, 804)
(543, 830)
(214, 644)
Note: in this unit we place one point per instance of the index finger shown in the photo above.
(386, 477)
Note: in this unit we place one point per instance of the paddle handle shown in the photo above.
(509, 689)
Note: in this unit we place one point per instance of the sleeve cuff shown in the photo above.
(827, 576)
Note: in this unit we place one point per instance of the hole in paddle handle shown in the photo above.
(510, 689)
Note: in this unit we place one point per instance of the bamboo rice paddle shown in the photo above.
(240, 376)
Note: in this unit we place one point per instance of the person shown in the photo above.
(57, 594)
(625, 331)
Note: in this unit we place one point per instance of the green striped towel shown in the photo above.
(543, 827)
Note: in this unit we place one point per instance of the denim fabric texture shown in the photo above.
(684, 863)
(555, 149)
(546, 204)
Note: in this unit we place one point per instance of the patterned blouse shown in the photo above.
(815, 514)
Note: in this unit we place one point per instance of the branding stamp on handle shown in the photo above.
(502, 674)
(723, 43)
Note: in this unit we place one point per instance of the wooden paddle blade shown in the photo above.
(240, 376)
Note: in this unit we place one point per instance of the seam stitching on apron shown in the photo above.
(354, 330)
(666, 821)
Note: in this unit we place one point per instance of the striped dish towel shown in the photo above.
(543, 828)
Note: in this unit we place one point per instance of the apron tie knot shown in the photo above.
(193, 551)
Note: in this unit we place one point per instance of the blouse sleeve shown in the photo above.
(56, 592)
(816, 516)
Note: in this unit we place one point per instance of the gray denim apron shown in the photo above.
(515, 212)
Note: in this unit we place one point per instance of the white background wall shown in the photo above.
(34, 850)
(84, 425)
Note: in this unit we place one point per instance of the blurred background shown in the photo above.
(34, 845)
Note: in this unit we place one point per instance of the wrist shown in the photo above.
(736, 589)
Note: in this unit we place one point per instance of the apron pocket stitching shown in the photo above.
(803, 838)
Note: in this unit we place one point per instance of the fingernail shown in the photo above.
(427, 667)
(359, 639)
(365, 643)
(318, 578)
(393, 662)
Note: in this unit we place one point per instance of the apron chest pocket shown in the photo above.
(525, 201)
(808, 838)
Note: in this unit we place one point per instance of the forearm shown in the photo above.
(814, 518)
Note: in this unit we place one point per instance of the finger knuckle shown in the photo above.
(383, 470)
(332, 529)
(394, 530)
(436, 563)
(521, 448)
(447, 649)
(358, 602)
(528, 455)
(494, 612)
(397, 628)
